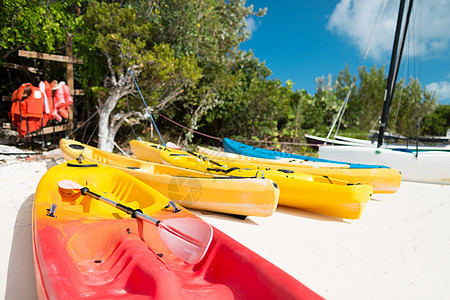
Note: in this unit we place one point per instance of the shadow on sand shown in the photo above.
(20, 283)
(223, 216)
(280, 209)
(308, 215)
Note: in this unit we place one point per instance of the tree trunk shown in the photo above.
(107, 132)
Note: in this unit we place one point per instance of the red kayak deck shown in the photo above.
(133, 270)
(82, 255)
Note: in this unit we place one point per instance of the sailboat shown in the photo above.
(423, 166)
(442, 143)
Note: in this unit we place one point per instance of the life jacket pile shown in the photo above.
(32, 107)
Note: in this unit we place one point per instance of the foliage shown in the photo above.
(320, 110)
(410, 105)
(211, 30)
(33, 25)
(186, 59)
(438, 122)
(124, 40)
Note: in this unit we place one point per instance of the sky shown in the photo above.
(301, 40)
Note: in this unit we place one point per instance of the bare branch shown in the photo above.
(162, 104)
(13, 50)
(111, 68)
(118, 119)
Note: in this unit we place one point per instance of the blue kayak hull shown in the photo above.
(243, 149)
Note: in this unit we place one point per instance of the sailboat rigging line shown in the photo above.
(343, 111)
(401, 98)
(145, 103)
(340, 113)
(393, 67)
(375, 30)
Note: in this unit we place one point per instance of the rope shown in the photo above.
(375, 30)
(92, 134)
(204, 134)
(84, 123)
(145, 103)
(195, 131)
(120, 149)
(153, 121)
(132, 127)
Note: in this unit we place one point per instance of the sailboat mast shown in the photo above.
(402, 44)
(393, 67)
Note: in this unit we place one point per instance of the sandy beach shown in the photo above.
(398, 249)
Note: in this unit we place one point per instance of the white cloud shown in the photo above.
(429, 25)
(252, 25)
(442, 89)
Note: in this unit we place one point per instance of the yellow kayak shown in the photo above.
(191, 189)
(383, 180)
(318, 194)
(239, 158)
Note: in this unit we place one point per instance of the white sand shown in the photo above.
(399, 249)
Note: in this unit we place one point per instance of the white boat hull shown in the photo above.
(411, 146)
(428, 166)
(345, 141)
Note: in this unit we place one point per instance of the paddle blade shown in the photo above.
(187, 238)
(69, 185)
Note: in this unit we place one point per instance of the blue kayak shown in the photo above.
(243, 149)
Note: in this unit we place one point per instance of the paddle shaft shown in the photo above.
(135, 213)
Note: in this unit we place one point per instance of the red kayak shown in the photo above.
(86, 245)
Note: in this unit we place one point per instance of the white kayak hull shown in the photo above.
(431, 167)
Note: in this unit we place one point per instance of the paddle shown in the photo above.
(187, 238)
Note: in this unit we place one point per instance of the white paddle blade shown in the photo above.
(173, 146)
(69, 185)
(187, 238)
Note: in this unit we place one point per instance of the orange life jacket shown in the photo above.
(27, 111)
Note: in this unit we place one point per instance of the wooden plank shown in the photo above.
(22, 68)
(46, 130)
(77, 92)
(52, 57)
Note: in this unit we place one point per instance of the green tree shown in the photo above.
(35, 25)
(412, 104)
(368, 100)
(212, 31)
(252, 105)
(123, 40)
(39, 26)
(320, 110)
(438, 122)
